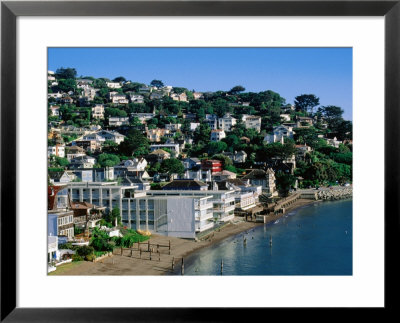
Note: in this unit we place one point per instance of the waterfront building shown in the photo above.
(61, 223)
(223, 202)
(169, 214)
(186, 184)
(265, 179)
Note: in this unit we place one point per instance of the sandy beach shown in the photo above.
(136, 263)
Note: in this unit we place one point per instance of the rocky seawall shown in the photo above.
(334, 194)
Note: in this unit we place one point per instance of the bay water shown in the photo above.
(313, 240)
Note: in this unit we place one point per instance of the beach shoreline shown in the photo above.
(145, 263)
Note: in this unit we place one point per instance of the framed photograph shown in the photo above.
(190, 145)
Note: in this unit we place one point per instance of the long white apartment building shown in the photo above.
(223, 202)
(167, 214)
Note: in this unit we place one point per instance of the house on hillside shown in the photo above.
(252, 122)
(114, 85)
(217, 135)
(179, 97)
(57, 150)
(226, 122)
(98, 111)
(134, 165)
(279, 134)
(75, 151)
(118, 121)
(158, 155)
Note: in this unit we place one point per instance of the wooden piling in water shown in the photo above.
(270, 241)
(173, 263)
(222, 266)
(182, 268)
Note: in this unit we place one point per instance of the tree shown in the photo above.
(179, 90)
(172, 166)
(237, 89)
(216, 147)
(119, 79)
(157, 83)
(99, 240)
(65, 73)
(135, 144)
(66, 85)
(306, 102)
(110, 147)
(284, 182)
(108, 160)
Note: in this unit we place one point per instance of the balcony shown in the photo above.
(204, 217)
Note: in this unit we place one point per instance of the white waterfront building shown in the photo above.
(169, 213)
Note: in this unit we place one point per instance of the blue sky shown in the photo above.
(325, 72)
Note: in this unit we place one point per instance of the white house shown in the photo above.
(173, 126)
(118, 121)
(174, 147)
(114, 85)
(112, 135)
(57, 150)
(98, 111)
(252, 122)
(226, 122)
(279, 134)
(194, 126)
(333, 142)
(240, 157)
(119, 98)
(131, 165)
(135, 98)
(217, 135)
(55, 110)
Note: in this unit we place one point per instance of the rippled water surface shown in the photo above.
(313, 240)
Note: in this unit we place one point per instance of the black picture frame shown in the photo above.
(10, 10)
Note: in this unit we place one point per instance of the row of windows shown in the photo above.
(65, 220)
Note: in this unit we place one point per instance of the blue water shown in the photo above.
(313, 240)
